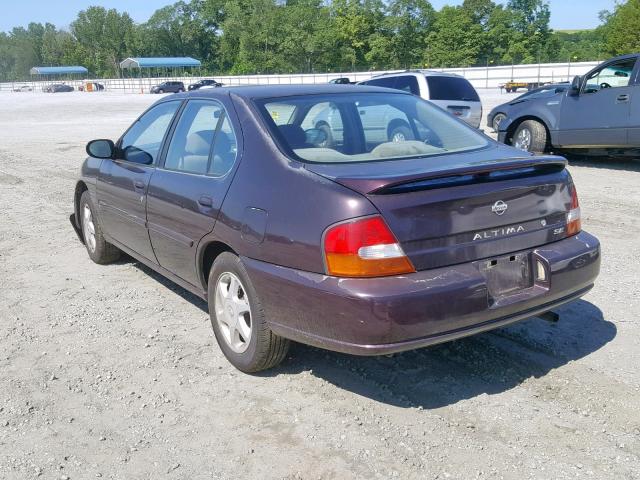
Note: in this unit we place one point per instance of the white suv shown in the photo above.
(450, 92)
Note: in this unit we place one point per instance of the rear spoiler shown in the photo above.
(485, 171)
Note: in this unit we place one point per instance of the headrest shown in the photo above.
(199, 143)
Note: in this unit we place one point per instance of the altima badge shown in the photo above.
(499, 207)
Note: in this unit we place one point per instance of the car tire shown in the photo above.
(530, 136)
(328, 143)
(180, 90)
(495, 123)
(99, 250)
(236, 313)
(400, 133)
(161, 91)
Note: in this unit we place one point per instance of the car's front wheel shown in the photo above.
(238, 319)
(400, 133)
(100, 251)
(499, 117)
(530, 136)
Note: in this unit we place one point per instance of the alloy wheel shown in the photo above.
(233, 312)
(398, 137)
(88, 228)
(523, 139)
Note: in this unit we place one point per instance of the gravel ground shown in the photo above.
(113, 372)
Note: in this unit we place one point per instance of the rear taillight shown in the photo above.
(573, 217)
(364, 248)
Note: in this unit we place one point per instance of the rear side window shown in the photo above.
(386, 82)
(203, 142)
(407, 83)
(451, 88)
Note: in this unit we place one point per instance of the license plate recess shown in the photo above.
(507, 275)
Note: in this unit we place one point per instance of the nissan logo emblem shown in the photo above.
(499, 207)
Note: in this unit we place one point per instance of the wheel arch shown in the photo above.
(208, 254)
(397, 122)
(81, 187)
(513, 126)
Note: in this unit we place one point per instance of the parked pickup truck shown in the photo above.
(598, 114)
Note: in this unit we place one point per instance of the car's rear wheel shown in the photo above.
(530, 136)
(100, 251)
(161, 91)
(238, 319)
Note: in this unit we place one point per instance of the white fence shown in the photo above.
(480, 77)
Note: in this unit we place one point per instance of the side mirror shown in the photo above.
(137, 155)
(315, 136)
(100, 148)
(575, 85)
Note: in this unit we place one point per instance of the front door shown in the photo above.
(186, 193)
(123, 182)
(599, 116)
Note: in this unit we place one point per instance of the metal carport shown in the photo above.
(174, 64)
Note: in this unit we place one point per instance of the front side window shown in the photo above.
(142, 142)
(203, 142)
(614, 75)
(365, 127)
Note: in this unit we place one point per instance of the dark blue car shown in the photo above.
(521, 103)
(599, 113)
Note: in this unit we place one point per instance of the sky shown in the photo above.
(565, 14)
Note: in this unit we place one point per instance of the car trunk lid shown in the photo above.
(481, 209)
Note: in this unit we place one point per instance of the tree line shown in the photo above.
(276, 36)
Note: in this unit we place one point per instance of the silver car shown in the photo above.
(450, 92)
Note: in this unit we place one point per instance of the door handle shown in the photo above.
(622, 98)
(138, 184)
(205, 201)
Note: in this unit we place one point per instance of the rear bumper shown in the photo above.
(393, 314)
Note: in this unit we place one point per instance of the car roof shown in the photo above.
(282, 91)
(621, 57)
(426, 73)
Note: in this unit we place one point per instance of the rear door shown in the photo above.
(600, 115)
(123, 182)
(186, 193)
(633, 134)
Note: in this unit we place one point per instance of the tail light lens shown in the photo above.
(364, 248)
(574, 225)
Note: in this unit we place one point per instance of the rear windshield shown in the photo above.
(365, 127)
(451, 88)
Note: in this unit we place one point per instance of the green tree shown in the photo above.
(103, 39)
(356, 23)
(401, 41)
(455, 40)
(621, 31)
(530, 21)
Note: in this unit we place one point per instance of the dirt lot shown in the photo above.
(113, 372)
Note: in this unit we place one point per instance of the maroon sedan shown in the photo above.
(361, 219)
